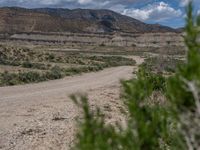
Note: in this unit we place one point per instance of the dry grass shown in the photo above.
(40, 65)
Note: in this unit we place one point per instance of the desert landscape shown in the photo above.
(48, 54)
(41, 115)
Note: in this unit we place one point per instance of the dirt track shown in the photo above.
(41, 116)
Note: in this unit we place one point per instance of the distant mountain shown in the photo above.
(14, 19)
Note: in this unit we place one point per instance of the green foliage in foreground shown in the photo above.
(183, 89)
(148, 127)
(172, 125)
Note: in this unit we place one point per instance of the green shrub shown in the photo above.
(9, 62)
(51, 56)
(112, 61)
(148, 127)
(55, 73)
(102, 45)
(174, 125)
(8, 78)
(183, 88)
(27, 64)
(32, 65)
(30, 77)
(161, 64)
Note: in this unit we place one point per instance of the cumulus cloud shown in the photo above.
(84, 1)
(157, 11)
(184, 2)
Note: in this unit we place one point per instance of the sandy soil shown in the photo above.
(28, 113)
(42, 116)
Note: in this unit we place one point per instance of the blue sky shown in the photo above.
(165, 12)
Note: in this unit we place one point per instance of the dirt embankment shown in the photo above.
(118, 39)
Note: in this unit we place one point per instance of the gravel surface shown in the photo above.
(42, 116)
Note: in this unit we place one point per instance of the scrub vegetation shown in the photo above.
(172, 124)
(28, 66)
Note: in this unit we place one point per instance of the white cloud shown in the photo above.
(157, 11)
(118, 8)
(184, 2)
(84, 1)
(47, 2)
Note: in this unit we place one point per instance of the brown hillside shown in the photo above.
(64, 20)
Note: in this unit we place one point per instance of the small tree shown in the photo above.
(184, 88)
(173, 125)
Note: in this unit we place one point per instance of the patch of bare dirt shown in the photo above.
(42, 117)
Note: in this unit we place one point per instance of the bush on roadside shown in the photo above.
(55, 73)
(172, 125)
(7, 78)
(30, 77)
(32, 65)
(148, 127)
(183, 88)
(161, 64)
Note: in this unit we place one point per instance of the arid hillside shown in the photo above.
(15, 20)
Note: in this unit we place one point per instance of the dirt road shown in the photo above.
(41, 116)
